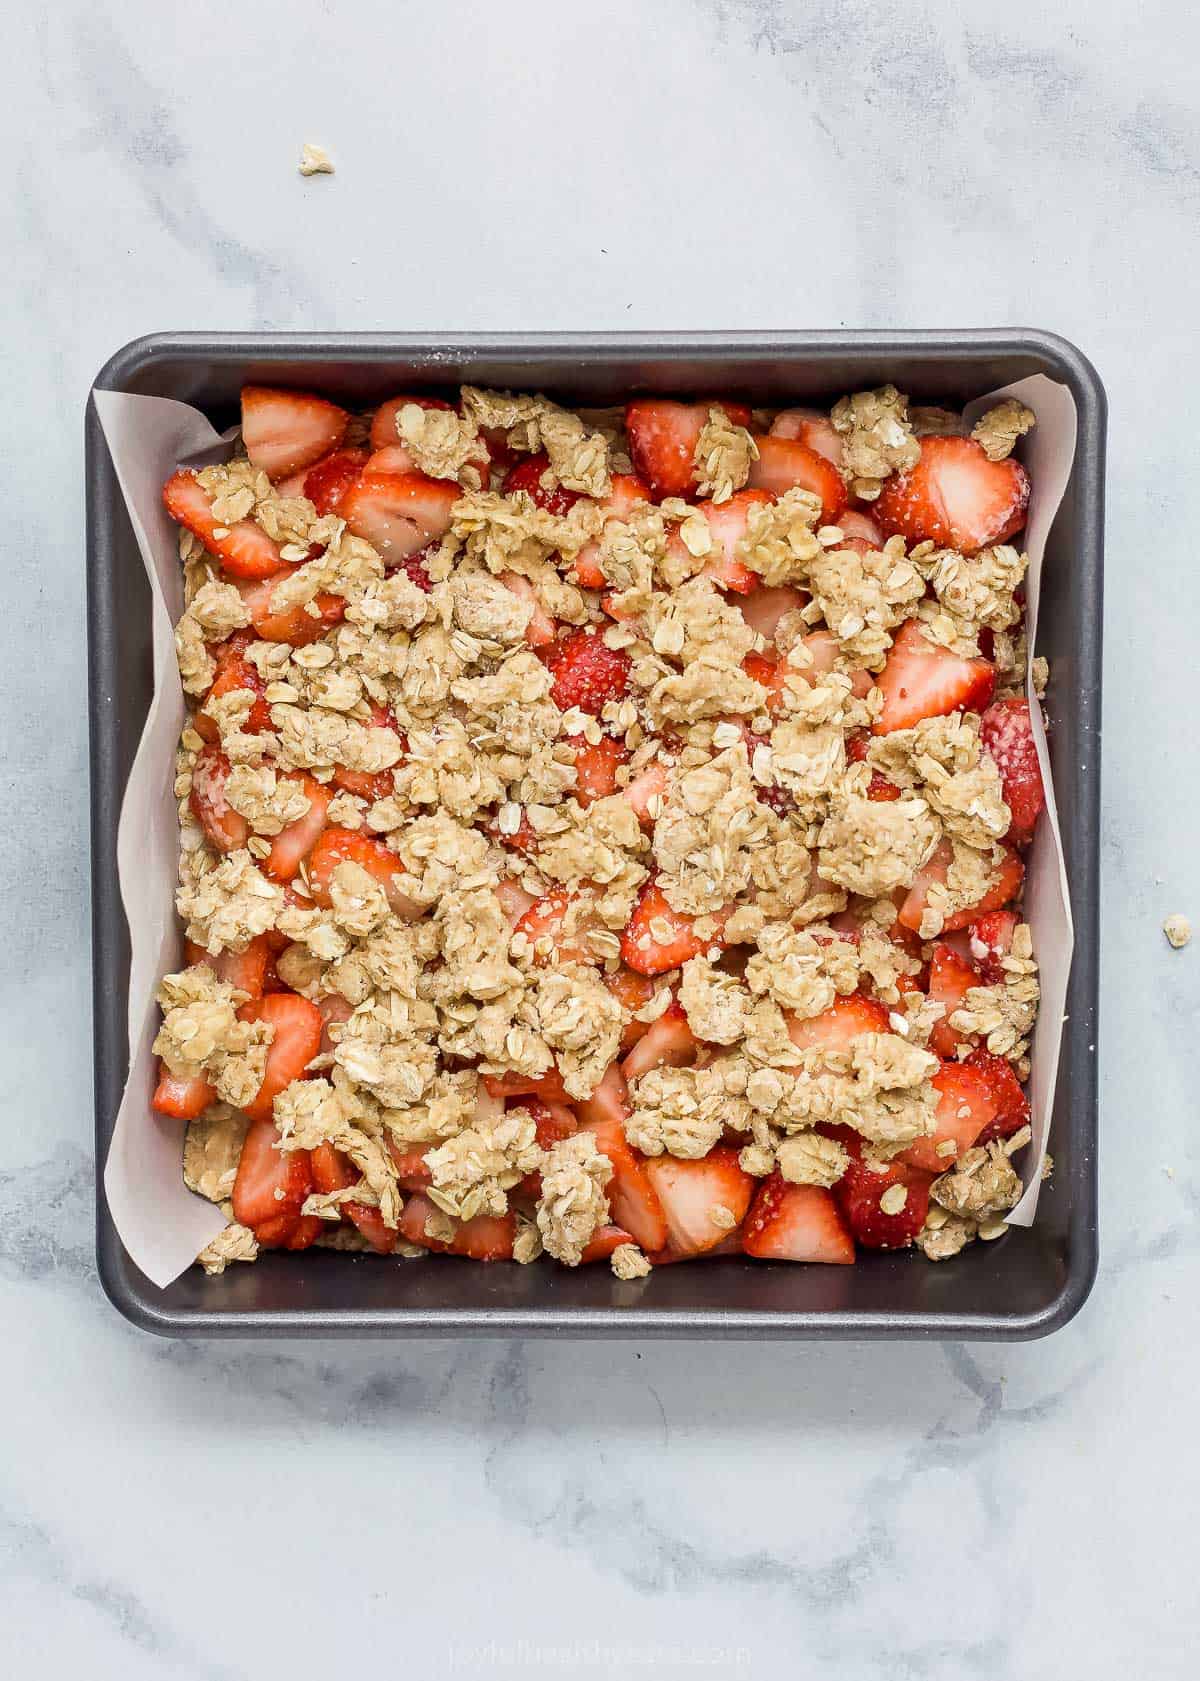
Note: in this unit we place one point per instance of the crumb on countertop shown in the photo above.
(315, 160)
(1178, 930)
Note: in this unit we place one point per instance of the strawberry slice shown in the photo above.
(632, 1199)
(245, 970)
(383, 423)
(879, 787)
(284, 431)
(553, 1121)
(858, 1195)
(548, 1087)
(646, 790)
(955, 497)
(244, 549)
(923, 680)
(951, 977)
(667, 1043)
(784, 463)
(596, 766)
(399, 513)
(966, 1104)
(289, 624)
(185, 1097)
(413, 1172)
(543, 921)
(602, 1243)
(811, 427)
(297, 1040)
(727, 522)
(327, 483)
(1008, 739)
(291, 846)
(234, 671)
(347, 846)
(271, 1183)
(372, 785)
(796, 1223)
(860, 530)
(527, 476)
(1006, 886)
(633, 992)
(586, 672)
(485, 1238)
(225, 828)
(764, 608)
(663, 438)
(625, 492)
(334, 1171)
(991, 938)
(836, 1028)
(695, 1196)
(541, 629)
(1012, 1104)
(652, 950)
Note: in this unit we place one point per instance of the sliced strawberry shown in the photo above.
(372, 785)
(554, 1121)
(244, 549)
(1006, 886)
(271, 1183)
(347, 846)
(334, 1171)
(514, 900)
(297, 1039)
(727, 522)
(858, 1194)
(698, 1196)
(836, 1028)
(289, 624)
(653, 950)
(923, 680)
(632, 1199)
(991, 938)
(951, 977)
(327, 483)
(289, 1231)
(784, 464)
(284, 431)
(1008, 740)
(294, 898)
(596, 766)
(399, 513)
(548, 1087)
(955, 496)
(543, 922)
(796, 1223)
(811, 427)
(541, 630)
(523, 839)
(291, 846)
(634, 992)
(879, 787)
(966, 1104)
(413, 1172)
(485, 1238)
(765, 607)
(626, 491)
(859, 528)
(586, 672)
(245, 970)
(383, 423)
(773, 674)
(527, 476)
(667, 1043)
(234, 671)
(225, 828)
(602, 1243)
(646, 790)
(184, 1096)
(392, 458)
(414, 567)
(1012, 1103)
(663, 438)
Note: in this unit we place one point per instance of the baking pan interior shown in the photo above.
(1022, 1285)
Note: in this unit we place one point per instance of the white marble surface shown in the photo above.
(849, 1512)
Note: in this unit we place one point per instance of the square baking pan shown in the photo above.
(1024, 1285)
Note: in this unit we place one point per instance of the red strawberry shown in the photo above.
(284, 431)
(596, 766)
(1012, 1104)
(225, 828)
(879, 787)
(327, 483)
(783, 464)
(245, 970)
(586, 672)
(633, 992)
(372, 785)
(991, 939)
(527, 476)
(1008, 739)
(543, 921)
(667, 1043)
(271, 1183)
(413, 565)
(485, 1238)
(695, 1196)
(858, 1193)
(553, 1121)
(773, 674)
(292, 845)
(347, 846)
(334, 1011)
(811, 427)
(653, 952)
(836, 1028)
(860, 530)
(923, 680)
(796, 1223)
(399, 513)
(602, 1243)
(244, 549)
(540, 631)
(234, 671)
(548, 1087)
(184, 1096)
(289, 624)
(663, 438)
(413, 1172)
(955, 496)
(626, 491)
(649, 785)
(966, 1104)
(334, 1171)
(523, 839)
(296, 1041)
(632, 1198)
(383, 424)
(951, 977)
(1006, 886)
(764, 608)
(727, 522)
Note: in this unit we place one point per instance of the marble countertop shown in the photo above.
(859, 1512)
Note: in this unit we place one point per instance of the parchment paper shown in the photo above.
(162, 1224)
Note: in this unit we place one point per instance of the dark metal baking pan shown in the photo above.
(1024, 1285)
